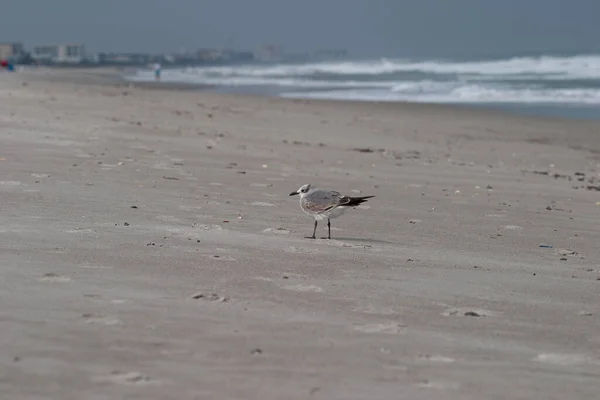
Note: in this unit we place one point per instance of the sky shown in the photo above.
(364, 27)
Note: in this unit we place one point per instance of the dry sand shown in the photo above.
(149, 248)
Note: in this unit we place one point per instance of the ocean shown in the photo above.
(548, 85)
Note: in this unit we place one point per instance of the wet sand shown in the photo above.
(150, 250)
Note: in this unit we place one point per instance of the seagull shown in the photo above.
(322, 204)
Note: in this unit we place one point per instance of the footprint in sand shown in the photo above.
(513, 227)
(190, 208)
(304, 288)
(170, 218)
(221, 258)
(495, 215)
(339, 243)
(279, 231)
(436, 358)
(468, 312)
(563, 359)
(262, 204)
(52, 277)
(96, 267)
(441, 385)
(374, 310)
(108, 321)
(263, 278)
(209, 297)
(10, 183)
(162, 165)
(125, 378)
(293, 249)
(390, 328)
(82, 230)
(203, 226)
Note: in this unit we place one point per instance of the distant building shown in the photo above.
(209, 54)
(270, 53)
(9, 51)
(45, 53)
(235, 56)
(182, 58)
(297, 58)
(71, 53)
(59, 53)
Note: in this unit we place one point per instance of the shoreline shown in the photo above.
(116, 77)
(534, 102)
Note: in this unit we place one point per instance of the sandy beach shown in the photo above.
(149, 248)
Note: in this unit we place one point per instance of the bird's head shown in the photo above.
(302, 191)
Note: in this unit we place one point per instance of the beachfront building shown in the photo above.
(59, 53)
(235, 56)
(270, 53)
(45, 53)
(11, 51)
(209, 54)
(71, 53)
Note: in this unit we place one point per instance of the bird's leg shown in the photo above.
(328, 229)
(314, 232)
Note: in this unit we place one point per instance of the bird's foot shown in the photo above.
(325, 237)
(309, 237)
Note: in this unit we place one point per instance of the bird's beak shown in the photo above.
(293, 193)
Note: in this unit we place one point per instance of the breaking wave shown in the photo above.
(545, 79)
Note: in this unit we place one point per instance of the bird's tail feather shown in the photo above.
(355, 201)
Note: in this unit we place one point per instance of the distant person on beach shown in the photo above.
(157, 71)
(6, 65)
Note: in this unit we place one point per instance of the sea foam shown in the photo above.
(546, 79)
